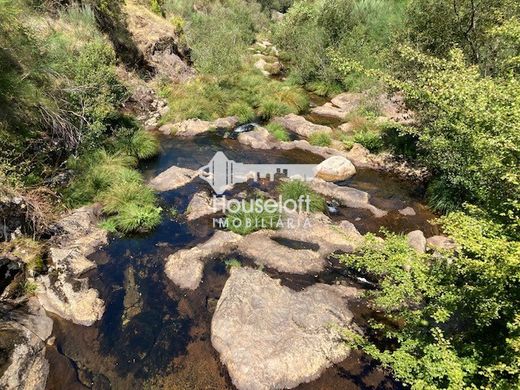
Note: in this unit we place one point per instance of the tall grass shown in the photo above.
(296, 189)
(111, 180)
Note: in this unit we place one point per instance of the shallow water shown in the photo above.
(156, 335)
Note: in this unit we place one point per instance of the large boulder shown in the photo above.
(63, 290)
(185, 267)
(271, 337)
(336, 168)
(174, 177)
(301, 126)
(340, 106)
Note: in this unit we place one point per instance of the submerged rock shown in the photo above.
(301, 126)
(62, 290)
(174, 177)
(271, 337)
(336, 168)
(185, 267)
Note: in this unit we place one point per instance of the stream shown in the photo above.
(155, 335)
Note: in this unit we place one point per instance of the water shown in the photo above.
(158, 336)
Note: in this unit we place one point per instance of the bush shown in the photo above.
(278, 131)
(320, 139)
(457, 312)
(296, 189)
(369, 139)
(112, 181)
(242, 110)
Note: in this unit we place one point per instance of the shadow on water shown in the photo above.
(154, 334)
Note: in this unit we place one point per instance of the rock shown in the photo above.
(276, 16)
(266, 252)
(407, 211)
(62, 291)
(346, 128)
(159, 43)
(24, 328)
(133, 301)
(417, 241)
(174, 177)
(347, 101)
(185, 267)
(193, 127)
(261, 65)
(359, 154)
(442, 243)
(336, 168)
(200, 206)
(23, 365)
(329, 110)
(257, 139)
(301, 126)
(271, 337)
(346, 196)
(227, 123)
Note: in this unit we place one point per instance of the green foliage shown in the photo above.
(232, 263)
(309, 29)
(210, 98)
(320, 139)
(369, 139)
(278, 131)
(436, 27)
(141, 144)
(156, 6)
(219, 37)
(112, 181)
(458, 310)
(251, 219)
(242, 110)
(28, 288)
(296, 189)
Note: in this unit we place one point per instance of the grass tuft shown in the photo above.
(278, 131)
(295, 189)
(320, 139)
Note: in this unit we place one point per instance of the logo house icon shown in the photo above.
(222, 173)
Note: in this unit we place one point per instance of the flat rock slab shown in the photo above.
(347, 196)
(257, 139)
(193, 127)
(174, 177)
(301, 126)
(267, 252)
(272, 337)
(186, 267)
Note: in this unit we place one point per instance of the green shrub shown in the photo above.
(278, 131)
(369, 139)
(242, 110)
(271, 108)
(296, 189)
(457, 312)
(320, 139)
(112, 181)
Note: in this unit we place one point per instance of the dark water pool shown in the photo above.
(154, 335)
